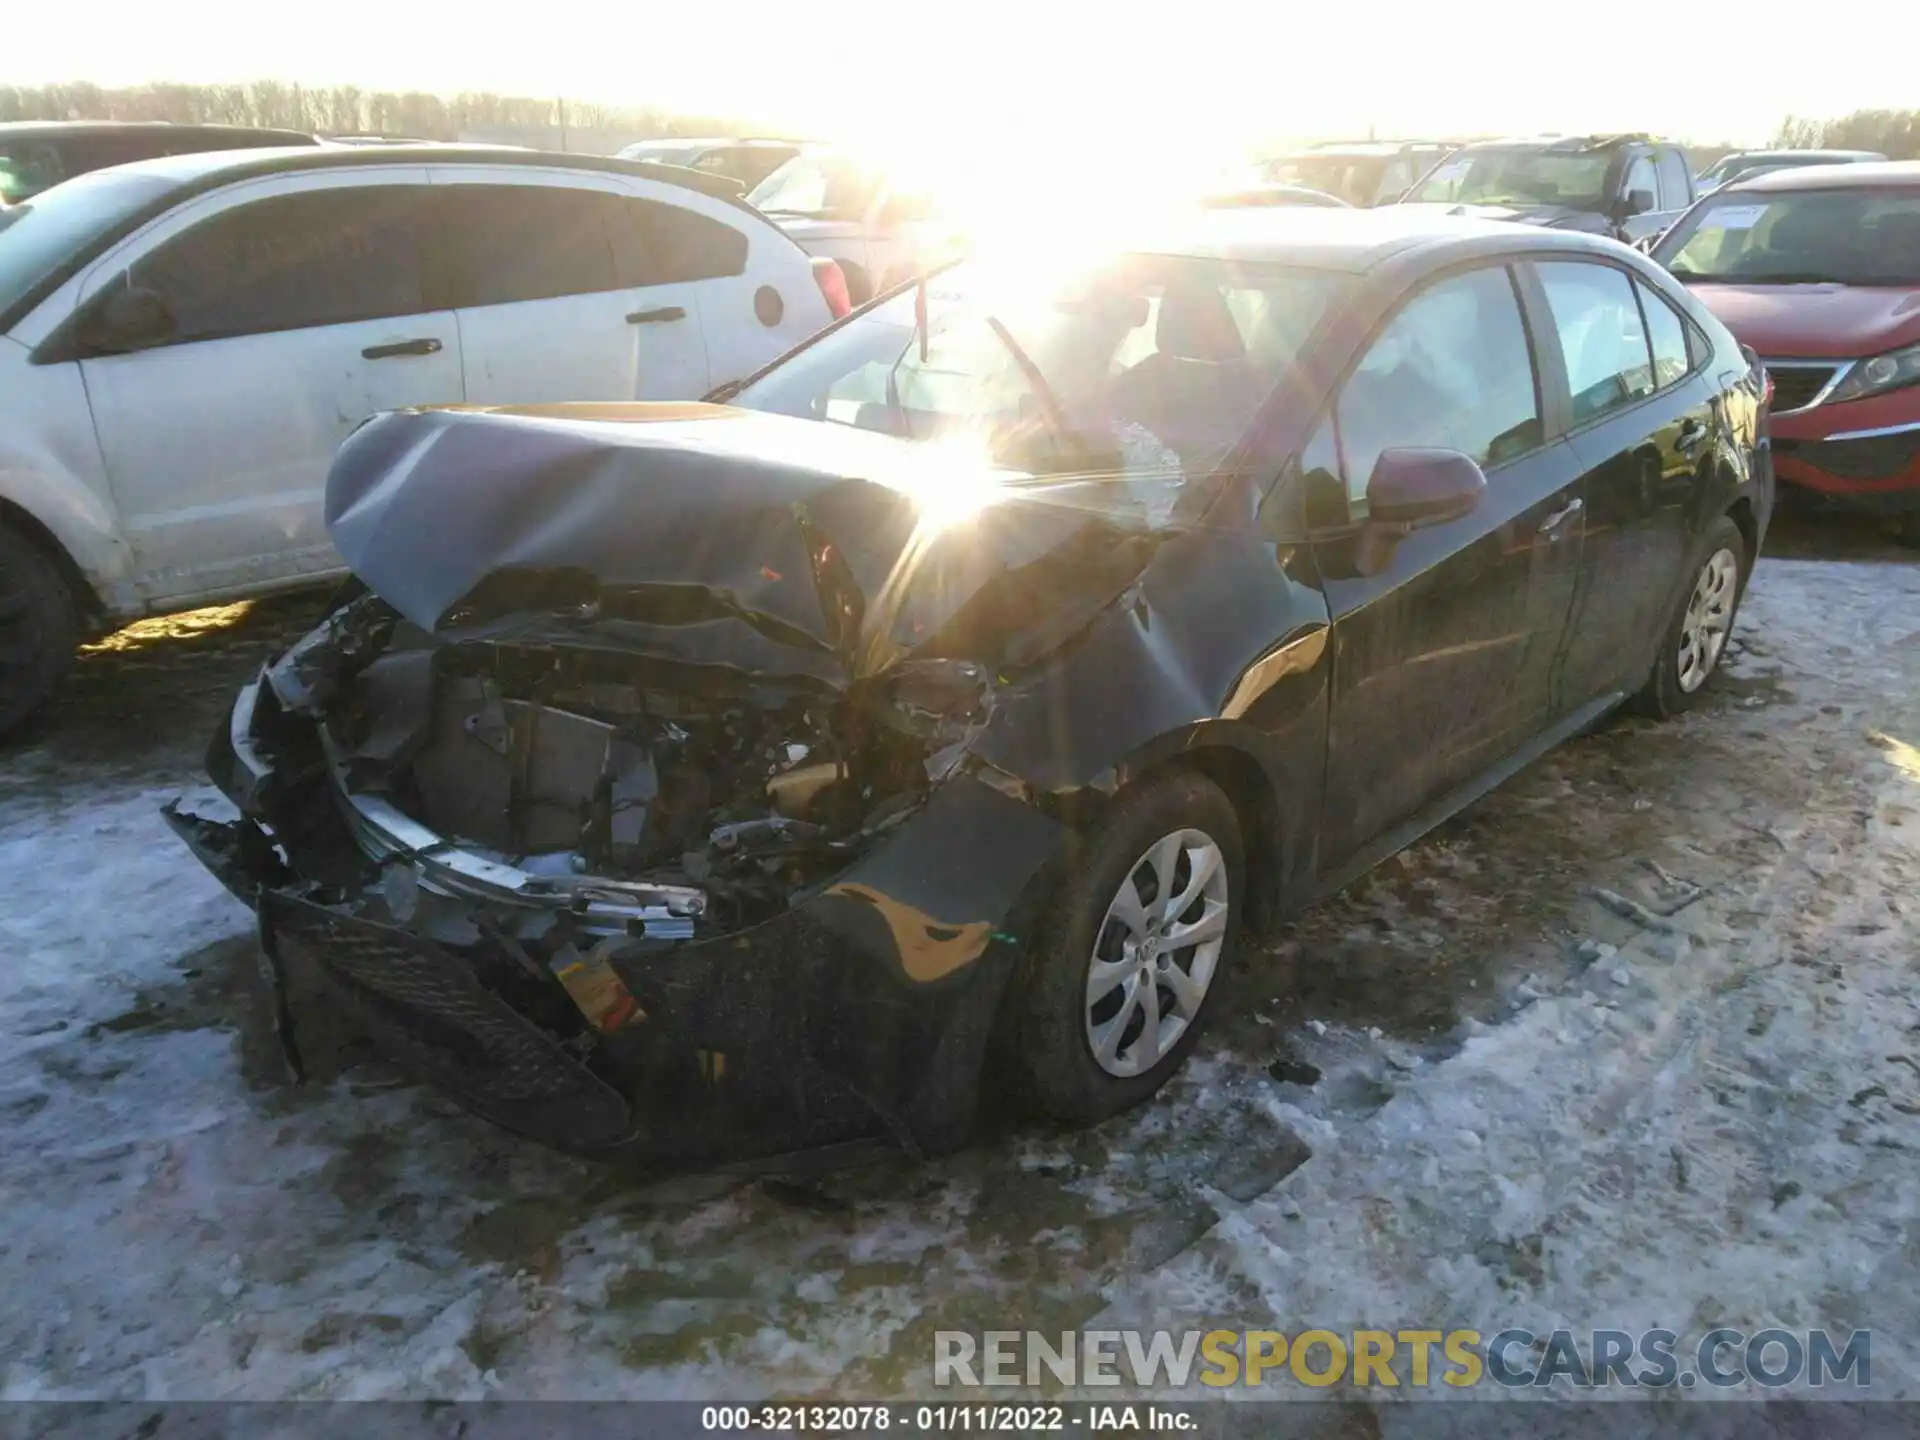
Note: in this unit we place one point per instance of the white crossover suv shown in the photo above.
(184, 343)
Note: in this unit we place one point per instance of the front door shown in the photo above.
(1443, 659)
(297, 311)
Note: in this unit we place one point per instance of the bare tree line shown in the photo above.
(1894, 133)
(340, 110)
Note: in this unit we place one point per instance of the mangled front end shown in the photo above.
(638, 835)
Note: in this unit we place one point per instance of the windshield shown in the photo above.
(1574, 179)
(1128, 382)
(1353, 179)
(37, 236)
(817, 187)
(1850, 237)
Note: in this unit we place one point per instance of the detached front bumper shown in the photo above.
(861, 1013)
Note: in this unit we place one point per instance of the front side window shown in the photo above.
(1641, 176)
(318, 257)
(502, 244)
(1675, 192)
(1849, 237)
(51, 230)
(1128, 381)
(1451, 370)
(1602, 339)
(1573, 178)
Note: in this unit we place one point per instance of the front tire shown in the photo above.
(39, 628)
(1133, 950)
(1697, 637)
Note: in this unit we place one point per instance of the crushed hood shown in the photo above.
(716, 536)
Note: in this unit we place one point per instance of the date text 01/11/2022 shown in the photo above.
(950, 1418)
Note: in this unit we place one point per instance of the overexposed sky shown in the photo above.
(1056, 77)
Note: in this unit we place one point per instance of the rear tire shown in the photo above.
(39, 628)
(1697, 636)
(1165, 864)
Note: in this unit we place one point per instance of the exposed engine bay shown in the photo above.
(651, 799)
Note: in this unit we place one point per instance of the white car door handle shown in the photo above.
(1560, 517)
(661, 316)
(403, 347)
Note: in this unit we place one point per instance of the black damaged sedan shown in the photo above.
(940, 710)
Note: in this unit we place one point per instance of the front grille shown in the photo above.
(1794, 386)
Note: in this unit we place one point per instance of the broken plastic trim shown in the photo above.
(387, 835)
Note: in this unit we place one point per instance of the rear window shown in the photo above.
(40, 236)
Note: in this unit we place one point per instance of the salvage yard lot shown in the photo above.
(1494, 1084)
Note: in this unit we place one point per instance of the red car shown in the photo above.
(1818, 270)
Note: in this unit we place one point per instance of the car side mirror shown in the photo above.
(131, 317)
(1637, 202)
(1412, 488)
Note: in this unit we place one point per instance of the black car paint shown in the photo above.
(1343, 713)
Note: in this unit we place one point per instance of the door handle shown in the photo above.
(401, 347)
(1560, 517)
(661, 316)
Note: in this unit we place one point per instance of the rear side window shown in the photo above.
(1675, 192)
(1452, 369)
(321, 257)
(660, 244)
(1666, 335)
(1602, 340)
(502, 244)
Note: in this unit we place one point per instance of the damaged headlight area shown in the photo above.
(545, 876)
(631, 797)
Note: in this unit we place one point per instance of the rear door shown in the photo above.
(1639, 421)
(528, 261)
(298, 310)
(698, 267)
(1443, 658)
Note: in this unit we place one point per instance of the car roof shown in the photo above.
(1865, 174)
(1577, 144)
(1352, 240)
(56, 129)
(203, 170)
(683, 142)
(1776, 154)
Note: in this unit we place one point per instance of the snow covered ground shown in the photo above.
(1534, 1109)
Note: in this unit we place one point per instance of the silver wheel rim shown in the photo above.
(1155, 953)
(1709, 618)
